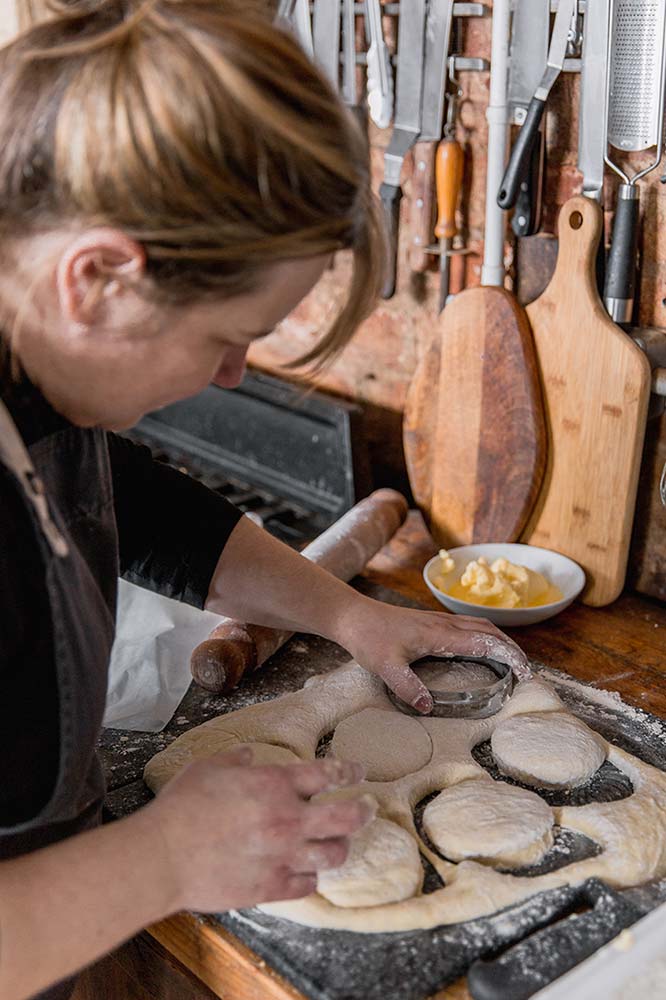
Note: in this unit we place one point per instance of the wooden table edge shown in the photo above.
(230, 968)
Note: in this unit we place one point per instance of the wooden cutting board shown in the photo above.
(474, 434)
(596, 385)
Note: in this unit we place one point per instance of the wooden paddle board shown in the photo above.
(474, 434)
(596, 386)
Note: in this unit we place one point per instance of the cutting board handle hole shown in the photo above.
(576, 220)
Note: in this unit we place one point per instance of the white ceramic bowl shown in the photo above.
(558, 569)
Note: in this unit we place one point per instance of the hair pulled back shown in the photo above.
(199, 129)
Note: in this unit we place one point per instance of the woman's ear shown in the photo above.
(98, 265)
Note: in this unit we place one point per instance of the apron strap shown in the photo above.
(14, 455)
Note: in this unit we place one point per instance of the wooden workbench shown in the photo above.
(621, 648)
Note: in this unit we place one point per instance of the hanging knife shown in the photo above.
(437, 43)
(591, 126)
(380, 74)
(406, 127)
(591, 120)
(326, 36)
(520, 154)
(295, 15)
(349, 94)
(528, 57)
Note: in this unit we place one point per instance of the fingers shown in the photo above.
(238, 757)
(338, 819)
(321, 854)
(404, 682)
(479, 637)
(324, 775)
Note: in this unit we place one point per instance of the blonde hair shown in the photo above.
(200, 130)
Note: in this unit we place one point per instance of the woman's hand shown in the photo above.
(237, 835)
(385, 640)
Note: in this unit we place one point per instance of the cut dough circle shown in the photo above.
(383, 866)
(441, 676)
(548, 750)
(387, 743)
(491, 822)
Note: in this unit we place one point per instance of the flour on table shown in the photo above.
(559, 751)
(491, 822)
(630, 833)
(388, 745)
(383, 866)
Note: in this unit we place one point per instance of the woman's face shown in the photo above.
(112, 373)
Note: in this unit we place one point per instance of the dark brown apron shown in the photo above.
(66, 481)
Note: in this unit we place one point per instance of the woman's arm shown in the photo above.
(220, 835)
(260, 580)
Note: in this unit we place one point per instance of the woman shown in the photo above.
(174, 178)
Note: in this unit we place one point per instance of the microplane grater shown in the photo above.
(634, 117)
(635, 97)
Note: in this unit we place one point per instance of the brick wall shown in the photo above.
(377, 366)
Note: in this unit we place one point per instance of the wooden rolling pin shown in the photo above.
(234, 648)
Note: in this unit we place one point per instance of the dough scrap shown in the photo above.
(383, 866)
(548, 751)
(456, 676)
(491, 822)
(387, 744)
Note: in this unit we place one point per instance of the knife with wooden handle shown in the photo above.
(437, 43)
(406, 127)
(449, 175)
(234, 648)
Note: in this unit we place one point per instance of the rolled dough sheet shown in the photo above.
(631, 833)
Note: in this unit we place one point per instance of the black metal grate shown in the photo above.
(296, 461)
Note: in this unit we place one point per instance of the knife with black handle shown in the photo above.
(521, 153)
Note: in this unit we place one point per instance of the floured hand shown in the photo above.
(385, 640)
(235, 835)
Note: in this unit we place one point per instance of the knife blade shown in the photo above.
(406, 128)
(326, 37)
(522, 150)
(528, 53)
(380, 75)
(437, 44)
(592, 124)
(303, 26)
(349, 95)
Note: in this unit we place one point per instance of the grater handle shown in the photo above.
(391, 196)
(621, 268)
(518, 166)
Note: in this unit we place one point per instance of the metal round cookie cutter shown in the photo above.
(479, 703)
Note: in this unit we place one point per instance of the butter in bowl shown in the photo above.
(508, 583)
